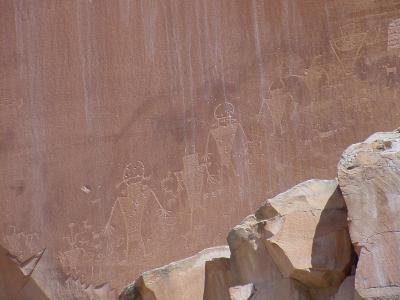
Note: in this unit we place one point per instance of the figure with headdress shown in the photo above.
(226, 159)
(138, 215)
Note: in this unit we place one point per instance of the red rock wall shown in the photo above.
(133, 133)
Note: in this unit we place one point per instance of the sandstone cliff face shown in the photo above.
(186, 113)
(299, 244)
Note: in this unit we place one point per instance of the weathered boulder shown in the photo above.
(369, 177)
(305, 232)
(181, 280)
(252, 264)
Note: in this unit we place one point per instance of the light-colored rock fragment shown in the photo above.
(369, 177)
(306, 233)
(250, 261)
(181, 280)
(241, 292)
(252, 264)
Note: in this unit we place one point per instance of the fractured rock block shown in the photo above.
(306, 233)
(181, 280)
(252, 265)
(369, 177)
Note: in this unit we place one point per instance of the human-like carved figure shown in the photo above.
(226, 153)
(136, 215)
(230, 144)
(346, 47)
(71, 258)
(192, 177)
(276, 104)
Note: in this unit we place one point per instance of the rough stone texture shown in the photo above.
(369, 176)
(39, 278)
(346, 290)
(217, 279)
(180, 280)
(114, 113)
(251, 263)
(306, 233)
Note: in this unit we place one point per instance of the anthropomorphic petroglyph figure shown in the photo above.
(276, 104)
(71, 259)
(174, 194)
(137, 215)
(315, 77)
(226, 157)
(346, 47)
(230, 144)
(192, 177)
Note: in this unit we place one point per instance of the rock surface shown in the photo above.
(114, 114)
(180, 280)
(346, 290)
(241, 292)
(134, 132)
(369, 177)
(296, 246)
(39, 278)
(306, 233)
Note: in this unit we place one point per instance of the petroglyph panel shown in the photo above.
(138, 133)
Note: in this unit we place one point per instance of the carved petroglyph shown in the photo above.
(128, 212)
(21, 244)
(138, 219)
(394, 35)
(316, 76)
(346, 48)
(193, 180)
(276, 105)
(227, 137)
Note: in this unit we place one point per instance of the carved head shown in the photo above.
(223, 113)
(133, 173)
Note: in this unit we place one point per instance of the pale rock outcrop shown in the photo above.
(306, 233)
(252, 264)
(369, 177)
(181, 280)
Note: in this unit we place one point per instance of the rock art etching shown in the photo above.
(139, 133)
(394, 35)
(298, 244)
